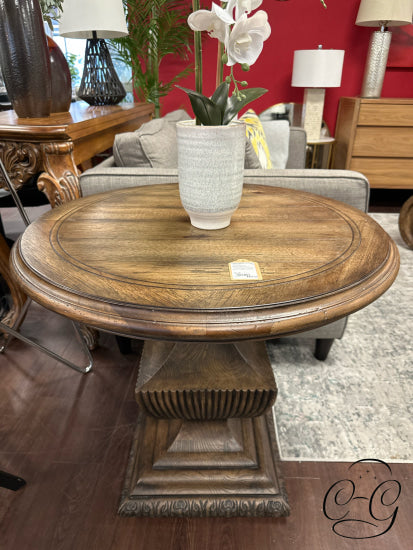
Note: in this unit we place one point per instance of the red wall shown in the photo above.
(299, 24)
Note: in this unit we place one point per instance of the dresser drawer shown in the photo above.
(385, 173)
(383, 142)
(375, 137)
(379, 114)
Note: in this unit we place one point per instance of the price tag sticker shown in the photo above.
(244, 270)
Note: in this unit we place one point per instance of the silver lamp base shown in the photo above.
(376, 64)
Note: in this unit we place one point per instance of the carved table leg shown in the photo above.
(12, 318)
(204, 442)
(90, 335)
(60, 181)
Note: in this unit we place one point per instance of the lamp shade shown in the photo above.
(388, 13)
(81, 17)
(317, 68)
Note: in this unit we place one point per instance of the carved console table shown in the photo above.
(54, 147)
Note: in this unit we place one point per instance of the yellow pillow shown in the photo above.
(256, 136)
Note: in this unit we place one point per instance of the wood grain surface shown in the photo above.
(81, 120)
(130, 262)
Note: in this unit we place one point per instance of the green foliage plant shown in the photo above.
(157, 29)
(51, 9)
(74, 71)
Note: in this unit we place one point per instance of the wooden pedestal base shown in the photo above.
(237, 476)
(210, 465)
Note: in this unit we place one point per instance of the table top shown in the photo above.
(129, 261)
(322, 141)
(80, 119)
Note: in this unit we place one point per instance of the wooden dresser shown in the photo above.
(375, 137)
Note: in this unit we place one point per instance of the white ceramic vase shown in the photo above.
(210, 171)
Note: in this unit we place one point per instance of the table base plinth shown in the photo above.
(200, 469)
(203, 445)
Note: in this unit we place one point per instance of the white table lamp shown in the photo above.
(96, 20)
(316, 70)
(383, 14)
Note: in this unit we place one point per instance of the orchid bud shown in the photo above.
(245, 67)
(224, 58)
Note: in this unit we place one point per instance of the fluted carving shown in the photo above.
(206, 404)
(188, 382)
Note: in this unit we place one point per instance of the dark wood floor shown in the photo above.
(69, 435)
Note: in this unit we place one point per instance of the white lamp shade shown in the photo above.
(317, 68)
(390, 13)
(81, 17)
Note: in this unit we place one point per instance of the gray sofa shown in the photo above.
(343, 185)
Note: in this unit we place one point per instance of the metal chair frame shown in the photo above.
(13, 331)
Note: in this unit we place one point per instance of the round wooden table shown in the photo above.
(129, 262)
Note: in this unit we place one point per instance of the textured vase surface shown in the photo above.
(210, 171)
(60, 77)
(24, 58)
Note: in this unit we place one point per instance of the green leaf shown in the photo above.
(157, 29)
(234, 105)
(206, 111)
(220, 97)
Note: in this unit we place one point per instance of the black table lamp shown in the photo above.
(96, 20)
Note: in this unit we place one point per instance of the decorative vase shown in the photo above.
(61, 80)
(210, 171)
(24, 58)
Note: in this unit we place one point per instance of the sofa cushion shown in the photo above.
(251, 160)
(153, 145)
(277, 133)
(256, 136)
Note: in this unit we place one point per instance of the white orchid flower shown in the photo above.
(246, 40)
(216, 22)
(243, 6)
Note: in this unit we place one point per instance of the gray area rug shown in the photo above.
(358, 403)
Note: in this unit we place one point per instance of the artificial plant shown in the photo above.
(157, 28)
(241, 37)
(51, 9)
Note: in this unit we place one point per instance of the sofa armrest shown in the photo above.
(343, 185)
(107, 178)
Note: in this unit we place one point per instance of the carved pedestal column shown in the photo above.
(204, 443)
